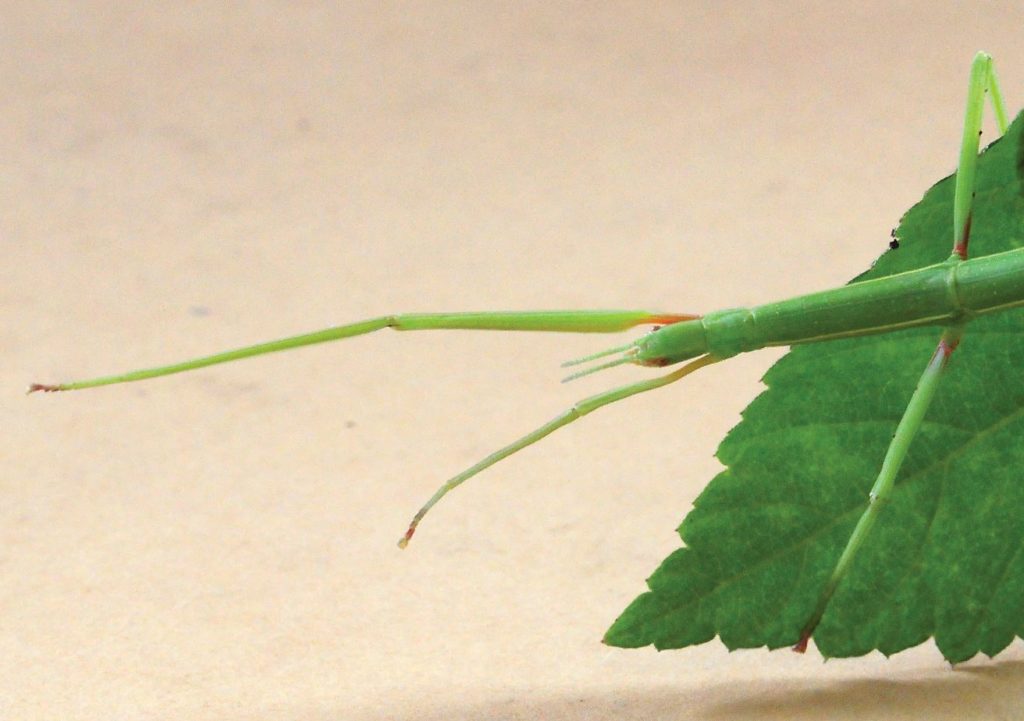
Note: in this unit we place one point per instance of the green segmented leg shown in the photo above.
(569, 321)
(577, 411)
(982, 80)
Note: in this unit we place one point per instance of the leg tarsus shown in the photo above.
(35, 387)
(801, 645)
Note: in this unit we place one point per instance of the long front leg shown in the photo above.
(565, 321)
(982, 80)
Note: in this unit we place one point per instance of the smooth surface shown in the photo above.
(182, 179)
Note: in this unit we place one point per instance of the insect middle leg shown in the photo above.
(982, 81)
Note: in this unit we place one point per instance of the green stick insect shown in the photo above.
(949, 294)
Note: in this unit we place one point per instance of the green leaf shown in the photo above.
(946, 558)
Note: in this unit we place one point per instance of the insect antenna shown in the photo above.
(600, 367)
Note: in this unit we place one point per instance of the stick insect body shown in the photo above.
(947, 294)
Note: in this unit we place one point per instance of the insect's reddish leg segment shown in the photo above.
(960, 248)
(670, 318)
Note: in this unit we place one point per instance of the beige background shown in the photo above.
(179, 178)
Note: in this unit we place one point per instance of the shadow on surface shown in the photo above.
(993, 691)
